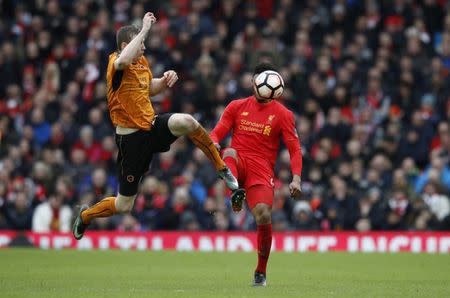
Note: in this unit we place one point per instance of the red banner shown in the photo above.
(429, 242)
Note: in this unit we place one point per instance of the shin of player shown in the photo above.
(262, 214)
(230, 158)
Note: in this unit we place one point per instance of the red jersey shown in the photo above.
(257, 130)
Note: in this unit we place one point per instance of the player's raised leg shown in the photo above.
(185, 124)
(133, 161)
(230, 157)
(262, 195)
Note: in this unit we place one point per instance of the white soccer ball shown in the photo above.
(269, 84)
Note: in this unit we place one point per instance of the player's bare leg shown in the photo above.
(185, 124)
(263, 218)
(230, 158)
(105, 208)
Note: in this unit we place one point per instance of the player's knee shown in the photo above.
(264, 218)
(229, 152)
(189, 123)
(182, 124)
(262, 214)
(124, 204)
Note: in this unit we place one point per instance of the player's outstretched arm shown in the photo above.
(295, 187)
(224, 125)
(290, 138)
(130, 51)
(158, 85)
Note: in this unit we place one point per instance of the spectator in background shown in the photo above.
(221, 222)
(438, 203)
(19, 212)
(128, 224)
(100, 126)
(98, 183)
(179, 203)
(41, 128)
(52, 215)
(57, 139)
(398, 210)
(335, 128)
(189, 222)
(42, 178)
(151, 202)
(303, 217)
(370, 211)
(87, 143)
(437, 171)
(416, 139)
(65, 188)
(79, 167)
(280, 222)
(339, 207)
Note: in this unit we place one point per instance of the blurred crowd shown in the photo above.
(367, 80)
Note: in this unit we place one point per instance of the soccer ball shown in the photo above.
(269, 84)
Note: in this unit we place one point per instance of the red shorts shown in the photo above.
(256, 176)
(257, 194)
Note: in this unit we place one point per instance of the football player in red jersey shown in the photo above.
(257, 124)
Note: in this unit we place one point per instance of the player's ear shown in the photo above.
(123, 45)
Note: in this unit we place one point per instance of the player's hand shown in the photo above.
(295, 188)
(147, 21)
(217, 146)
(170, 77)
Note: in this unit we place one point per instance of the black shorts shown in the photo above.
(136, 152)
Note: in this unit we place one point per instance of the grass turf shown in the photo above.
(70, 273)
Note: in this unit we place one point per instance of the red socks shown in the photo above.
(264, 244)
(232, 165)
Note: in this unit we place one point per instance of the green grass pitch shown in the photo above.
(70, 273)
